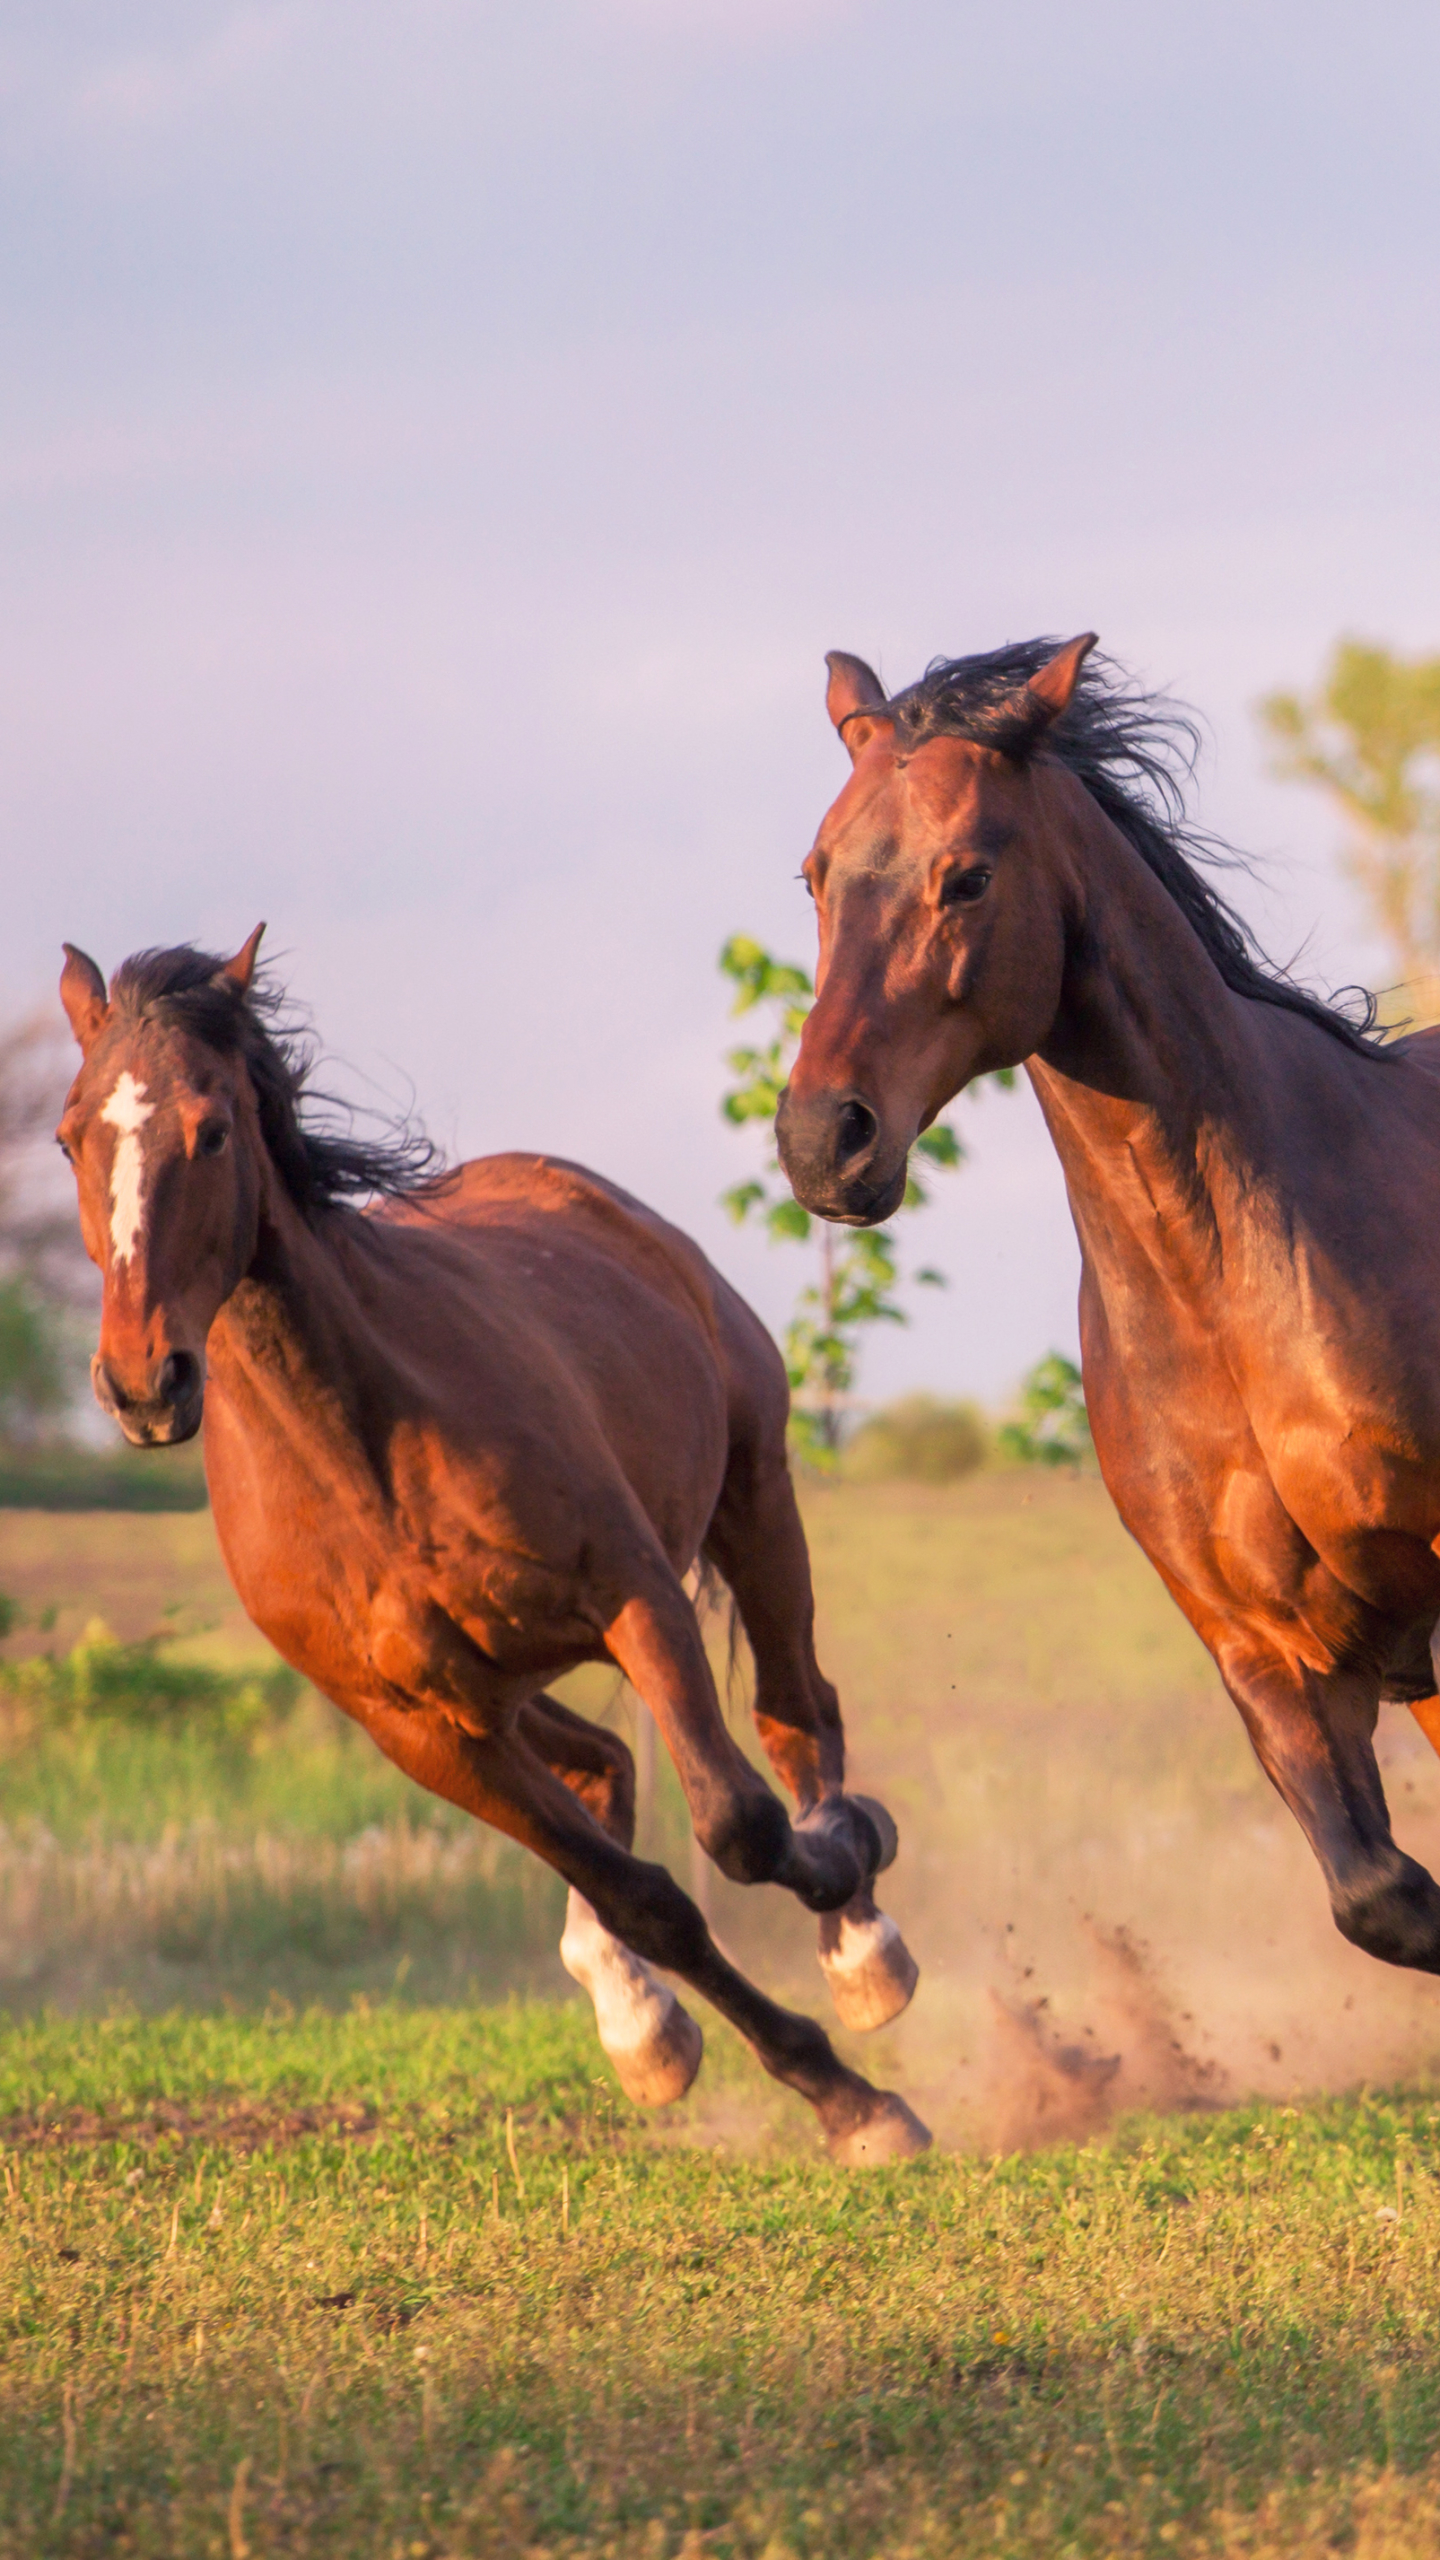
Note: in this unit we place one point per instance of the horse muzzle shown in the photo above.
(160, 1411)
(836, 1158)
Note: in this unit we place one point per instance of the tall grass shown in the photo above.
(172, 1829)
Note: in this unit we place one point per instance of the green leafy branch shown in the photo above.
(1052, 1428)
(860, 1277)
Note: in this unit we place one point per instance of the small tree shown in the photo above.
(858, 1277)
(34, 1380)
(1051, 1427)
(1370, 739)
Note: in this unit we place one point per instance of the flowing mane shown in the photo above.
(320, 1160)
(1135, 753)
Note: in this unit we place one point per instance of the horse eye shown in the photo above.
(64, 1150)
(964, 887)
(213, 1139)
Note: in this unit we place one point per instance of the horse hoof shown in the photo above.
(884, 1824)
(653, 2044)
(869, 1971)
(663, 2069)
(892, 2132)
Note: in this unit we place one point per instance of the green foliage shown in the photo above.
(1051, 1427)
(143, 1684)
(274, 2285)
(1370, 738)
(921, 1439)
(860, 1278)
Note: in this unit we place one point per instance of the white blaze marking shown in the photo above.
(127, 1111)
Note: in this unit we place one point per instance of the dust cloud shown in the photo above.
(1138, 1928)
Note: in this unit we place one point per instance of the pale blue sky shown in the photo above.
(439, 443)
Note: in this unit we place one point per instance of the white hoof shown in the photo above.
(653, 2043)
(893, 2132)
(869, 1970)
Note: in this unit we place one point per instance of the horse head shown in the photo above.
(940, 882)
(161, 1126)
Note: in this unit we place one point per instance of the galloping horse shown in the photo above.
(457, 1445)
(1254, 1178)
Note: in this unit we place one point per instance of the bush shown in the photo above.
(921, 1439)
(142, 1684)
(56, 1477)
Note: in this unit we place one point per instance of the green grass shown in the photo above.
(1203, 2333)
(271, 2287)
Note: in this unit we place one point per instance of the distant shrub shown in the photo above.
(143, 1684)
(922, 1439)
(52, 1476)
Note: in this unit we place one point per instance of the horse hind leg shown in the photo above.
(1312, 1736)
(653, 2044)
(756, 1540)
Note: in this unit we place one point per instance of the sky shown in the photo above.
(438, 445)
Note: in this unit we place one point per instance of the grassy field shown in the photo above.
(275, 2286)
(271, 2282)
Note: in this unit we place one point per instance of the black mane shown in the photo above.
(1134, 752)
(321, 1161)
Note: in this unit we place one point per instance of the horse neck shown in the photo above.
(294, 1340)
(1153, 1079)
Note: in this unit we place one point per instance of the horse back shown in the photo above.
(563, 1208)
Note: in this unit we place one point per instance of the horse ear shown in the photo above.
(1051, 689)
(82, 993)
(855, 700)
(241, 969)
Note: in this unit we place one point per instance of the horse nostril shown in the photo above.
(177, 1377)
(109, 1393)
(856, 1129)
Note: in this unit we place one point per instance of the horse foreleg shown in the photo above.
(837, 1845)
(1312, 1736)
(497, 1777)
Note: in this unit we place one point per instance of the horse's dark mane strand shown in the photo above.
(1135, 753)
(322, 1162)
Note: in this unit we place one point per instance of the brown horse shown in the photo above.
(458, 1445)
(1254, 1178)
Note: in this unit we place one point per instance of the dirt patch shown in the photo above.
(243, 2124)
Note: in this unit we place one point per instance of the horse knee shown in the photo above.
(1392, 1913)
